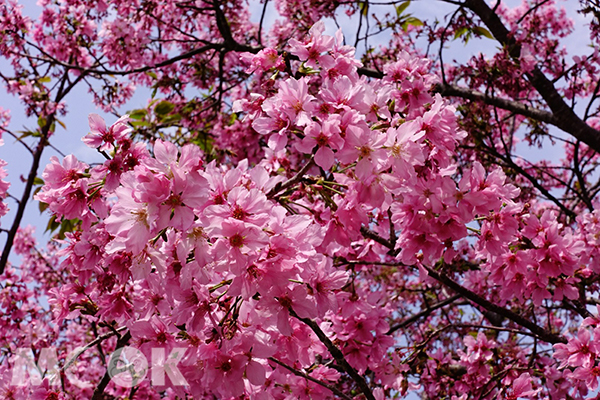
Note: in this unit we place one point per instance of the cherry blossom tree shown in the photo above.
(290, 218)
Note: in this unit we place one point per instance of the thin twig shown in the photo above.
(91, 344)
(262, 19)
(408, 321)
(337, 355)
(310, 378)
(292, 181)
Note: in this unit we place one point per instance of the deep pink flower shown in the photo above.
(264, 60)
(326, 137)
(521, 387)
(281, 299)
(315, 51)
(105, 138)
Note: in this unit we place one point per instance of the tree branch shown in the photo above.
(565, 117)
(26, 193)
(369, 234)
(337, 355)
(505, 104)
(423, 313)
(310, 378)
(511, 164)
(91, 344)
(62, 91)
(466, 293)
(99, 391)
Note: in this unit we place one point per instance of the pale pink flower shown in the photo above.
(57, 175)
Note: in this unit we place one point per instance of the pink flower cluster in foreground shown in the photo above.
(259, 272)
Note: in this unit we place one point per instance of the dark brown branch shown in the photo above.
(99, 391)
(542, 333)
(393, 237)
(584, 195)
(170, 61)
(337, 355)
(505, 104)
(565, 117)
(262, 19)
(225, 30)
(467, 294)
(343, 261)
(62, 91)
(511, 164)
(496, 328)
(223, 25)
(369, 234)
(335, 390)
(371, 73)
(26, 193)
(17, 139)
(578, 307)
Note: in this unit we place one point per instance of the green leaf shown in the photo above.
(42, 206)
(24, 134)
(67, 225)
(151, 74)
(138, 114)
(460, 32)
(468, 36)
(136, 124)
(36, 191)
(45, 79)
(171, 119)
(164, 108)
(401, 7)
(42, 122)
(52, 224)
(205, 142)
(481, 31)
(413, 21)
(61, 123)
(364, 8)
(38, 181)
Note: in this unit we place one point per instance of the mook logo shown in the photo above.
(127, 367)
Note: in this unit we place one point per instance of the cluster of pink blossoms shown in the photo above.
(4, 185)
(258, 274)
